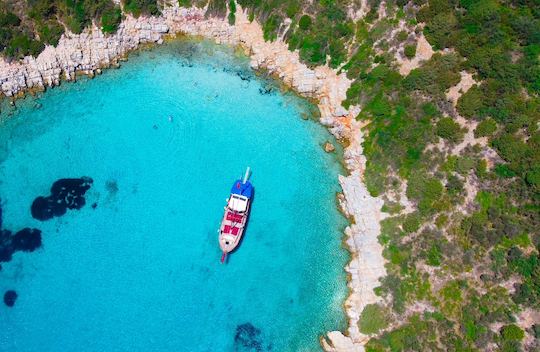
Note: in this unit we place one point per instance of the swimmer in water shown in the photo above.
(170, 118)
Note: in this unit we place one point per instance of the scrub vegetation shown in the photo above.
(463, 257)
(27, 26)
(461, 182)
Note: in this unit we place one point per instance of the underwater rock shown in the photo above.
(329, 147)
(244, 76)
(266, 90)
(248, 337)
(66, 193)
(10, 297)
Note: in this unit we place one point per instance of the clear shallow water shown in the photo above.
(141, 271)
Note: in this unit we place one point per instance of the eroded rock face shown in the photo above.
(10, 297)
(66, 193)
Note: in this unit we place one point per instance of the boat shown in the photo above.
(236, 214)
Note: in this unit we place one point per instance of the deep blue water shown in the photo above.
(163, 138)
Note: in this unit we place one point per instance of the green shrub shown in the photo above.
(485, 128)
(425, 190)
(9, 19)
(110, 20)
(504, 171)
(411, 223)
(441, 220)
(21, 45)
(146, 7)
(450, 130)
(270, 27)
(434, 256)
(512, 332)
(454, 185)
(435, 76)
(471, 103)
(50, 32)
(375, 179)
(305, 22)
(481, 169)
(293, 7)
(464, 165)
(410, 51)
(362, 31)
(231, 18)
(440, 30)
(536, 331)
(510, 147)
(313, 50)
(391, 207)
(373, 318)
(402, 36)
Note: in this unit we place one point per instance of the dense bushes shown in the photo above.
(444, 233)
(436, 76)
(110, 19)
(322, 30)
(47, 20)
(141, 7)
(15, 40)
(501, 43)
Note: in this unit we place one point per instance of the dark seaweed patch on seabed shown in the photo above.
(249, 338)
(25, 240)
(10, 297)
(66, 193)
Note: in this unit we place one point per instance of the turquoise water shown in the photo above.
(163, 138)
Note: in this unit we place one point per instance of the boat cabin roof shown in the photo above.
(238, 203)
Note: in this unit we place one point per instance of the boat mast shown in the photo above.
(246, 176)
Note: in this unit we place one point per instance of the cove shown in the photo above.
(136, 266)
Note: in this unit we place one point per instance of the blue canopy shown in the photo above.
(243, 189)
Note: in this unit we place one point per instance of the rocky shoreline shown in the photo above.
(91, 51)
